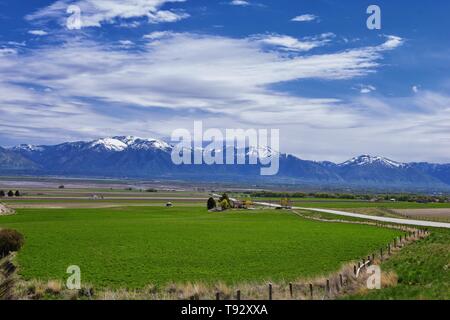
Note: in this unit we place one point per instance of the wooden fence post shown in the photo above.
(270, 291)
(328, 286)
(311, 290)
(354, 269)
(381, 253)
(291, 290)
(238, 295)
(341, 281)
(217, 295)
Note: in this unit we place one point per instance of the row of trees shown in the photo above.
(274, 194)
(379, 197)
(10, 193)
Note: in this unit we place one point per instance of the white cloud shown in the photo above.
(239, 3)
(166, 16)
(392, 42)
(366, 88)
(38, 32)
(94, 13)
(7, 51)
(158, 35)
(130, 25)
(126, 43)
(305, 18)
(289, 43)
(415, 89)
(88, 89)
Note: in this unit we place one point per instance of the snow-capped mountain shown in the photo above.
(365, 160)
(134, 157)
(113, 144)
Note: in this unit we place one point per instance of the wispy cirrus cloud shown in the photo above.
(94, 13)
(147, 77)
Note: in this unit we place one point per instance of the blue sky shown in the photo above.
(312, 69)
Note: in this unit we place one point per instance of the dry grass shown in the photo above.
(35, 289)
(6, 211)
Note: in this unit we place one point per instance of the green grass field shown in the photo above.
(131, 247)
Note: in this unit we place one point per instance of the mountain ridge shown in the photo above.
(135, 157)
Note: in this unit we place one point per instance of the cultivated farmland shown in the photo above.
(130, 247)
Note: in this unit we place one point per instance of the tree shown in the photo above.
(2, 193)
(17, 194)
(211, 204)
(61, 187)
(10, 193)
(225, 204)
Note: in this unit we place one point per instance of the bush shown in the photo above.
(10, 240)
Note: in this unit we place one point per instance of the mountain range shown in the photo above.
(132, 157)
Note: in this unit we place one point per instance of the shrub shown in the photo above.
(10, 240)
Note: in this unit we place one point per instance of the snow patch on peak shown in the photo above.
(27, 147)
(110, 144)
(120, 143)
(262, 152)
(128, 140)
